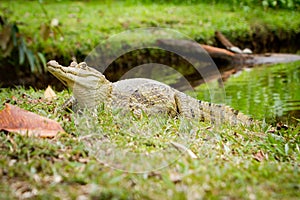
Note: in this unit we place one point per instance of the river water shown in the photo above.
(270, 93)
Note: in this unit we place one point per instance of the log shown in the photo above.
(222, 57)
(223, 40)
(228, 45)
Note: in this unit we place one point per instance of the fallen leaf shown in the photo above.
(49, 94)
(260, 156)
(182, 148)
(23, 190)
(14, 98)
(280, 126)
(8, 49)
(175, 177)
(5, 36)
(15, 119)
(45, 31)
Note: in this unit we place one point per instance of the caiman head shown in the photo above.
(89, 85)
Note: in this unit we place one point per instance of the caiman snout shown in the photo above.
(53, 63)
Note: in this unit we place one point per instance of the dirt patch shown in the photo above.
(264, 39)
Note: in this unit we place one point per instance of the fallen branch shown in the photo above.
(223, 40)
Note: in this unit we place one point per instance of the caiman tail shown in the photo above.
(205, 111)
(218, 113)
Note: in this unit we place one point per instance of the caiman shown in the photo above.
(139, 95)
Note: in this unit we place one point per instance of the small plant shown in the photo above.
(13, 42)
(289, 4)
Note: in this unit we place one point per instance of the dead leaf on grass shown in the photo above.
(175, 177)
(23, 190)
(260, 156)
(5, 36)
(45, 31)
(15, 119)
(49, 94)
(182, 148)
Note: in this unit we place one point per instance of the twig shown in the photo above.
(182, 148)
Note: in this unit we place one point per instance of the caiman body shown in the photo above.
(91, 88)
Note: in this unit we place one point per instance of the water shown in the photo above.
(266, 92)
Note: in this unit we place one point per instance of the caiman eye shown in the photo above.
(82, 65)
(73, 64)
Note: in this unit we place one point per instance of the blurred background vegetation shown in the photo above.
(33, 32)
(286, 4)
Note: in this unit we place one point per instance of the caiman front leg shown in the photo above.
(70, 104)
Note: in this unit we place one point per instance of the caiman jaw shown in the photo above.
(89, 85)
(64, 74)
(77, 74)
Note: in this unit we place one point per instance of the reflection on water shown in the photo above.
(267, 92)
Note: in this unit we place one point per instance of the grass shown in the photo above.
(234, 162)
(84, 24)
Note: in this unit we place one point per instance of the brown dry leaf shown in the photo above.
(182, 148)
(260, 156)
(23, 190)
(45, 31)
(9, 48)
(175, 177)
(5, 35)
(15, 119)
(49, 94)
